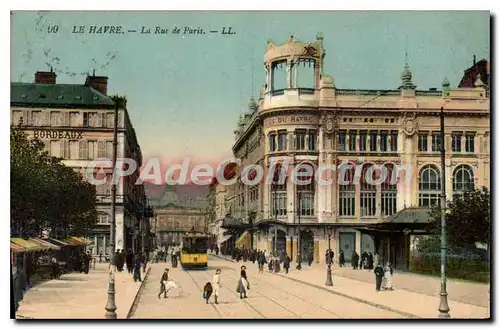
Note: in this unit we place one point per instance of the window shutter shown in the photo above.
(109, 120)
(65, 149)
(83, 150)
(46, 118)
(66, 119)
(101, 149)
(109, 150)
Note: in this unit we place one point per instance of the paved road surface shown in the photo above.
(270, 296)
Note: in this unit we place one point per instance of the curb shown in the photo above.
(137, 298)
(386, 308)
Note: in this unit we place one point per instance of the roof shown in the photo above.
(28, 244)
(411, 215)
(76, 241)
(57, 95)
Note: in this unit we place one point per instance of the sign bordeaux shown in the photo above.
(57, 134)
(291, 119)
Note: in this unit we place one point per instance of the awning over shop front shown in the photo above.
(28, 244)
(16, 248)
(76, 241)
(58, 242)
(243, 240)
(47, 244)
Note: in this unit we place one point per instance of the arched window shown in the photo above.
(278, 192)
(305, 192)
(463, 180)
(429, 184)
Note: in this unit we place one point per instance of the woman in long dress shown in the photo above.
(216, 285)
(242, 283)
(388, 276)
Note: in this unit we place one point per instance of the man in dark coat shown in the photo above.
(130, 261)
(370, 260)
(354, 260)
(332, 255)
(379, 275)
(137, 268)
(163, 280)
(341, 258)
(286, 263)
(86, 262)
(364, 260)
(120, 261)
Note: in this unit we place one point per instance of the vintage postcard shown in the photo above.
(250, 165)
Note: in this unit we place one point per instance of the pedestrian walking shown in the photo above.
(207, 291)
(216, 285)
(286, 263)
(354, 260)
(163, 282)
(130, 261)
(341, 258)
(137, 268)
(388, 271)
(379, 274)
(243, 284)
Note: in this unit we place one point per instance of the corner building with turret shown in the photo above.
(302, 118)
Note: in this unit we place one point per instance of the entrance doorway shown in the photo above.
(347, 241)
(281, 239)
(306, 245)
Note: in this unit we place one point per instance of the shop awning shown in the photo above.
(28, 245)
(76, 241)
(16, 248)
(47, 244)
(243, 240)
(58, 242)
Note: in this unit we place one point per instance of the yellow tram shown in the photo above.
(194, 251)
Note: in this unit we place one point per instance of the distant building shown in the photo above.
(478, 75)
(178, 209)
(75, 122)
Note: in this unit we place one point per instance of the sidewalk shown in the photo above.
(416, 304)
(79, 296)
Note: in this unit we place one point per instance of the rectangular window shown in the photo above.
(352, 141)
(469, 143)
(83, 150)
(65, 149)
(311, 141)
(101, 119)
(74, 150)
(456, 142)
(36, 118)
(362, 141)
(429, 199)
(55, 148)
(373, 141)
(272, 142)
(282, 136)
(394, 141)
(101, 149)
(86, 119)
(423, 142)
(347, 194)
(55, 119)
(109, 150)
(110, 123)
(368, 197)
(300, 140)
(306, 203)
(74, 119)
(93, 118)
(342, 141)
(66, 119)
(278, 205)
(92, 146)
(436, 142)
(383, 141)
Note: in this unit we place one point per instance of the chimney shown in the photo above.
(98, 83)
(45, 77)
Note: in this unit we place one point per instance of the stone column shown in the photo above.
(358, 243)
(378, 141)
(389, 143)
(429, 142)
(347, 141)
(288, 246)
(294, 247)
(270, 246)
(462, 143)
(96, 246)
(105, 247)
(368, 141)
(356, 147)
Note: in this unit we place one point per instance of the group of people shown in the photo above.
(161, 254)
(213, 288)
(366, 262)
(383, 276)
(134, 262)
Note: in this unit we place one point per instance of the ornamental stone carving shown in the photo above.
(329, 122)
(410, 124)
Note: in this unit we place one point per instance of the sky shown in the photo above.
(186, 91)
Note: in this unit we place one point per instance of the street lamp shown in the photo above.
(444, 309)
(110, 305)
(329, 281)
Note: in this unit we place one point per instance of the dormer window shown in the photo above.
(23, 96)
(60, 97)
(78, 97)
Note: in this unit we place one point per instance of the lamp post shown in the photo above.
(444, 309)
(299, 252)
(329, 281)
(111, 305)
(275, 224)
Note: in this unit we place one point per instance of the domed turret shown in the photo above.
(406, 79)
